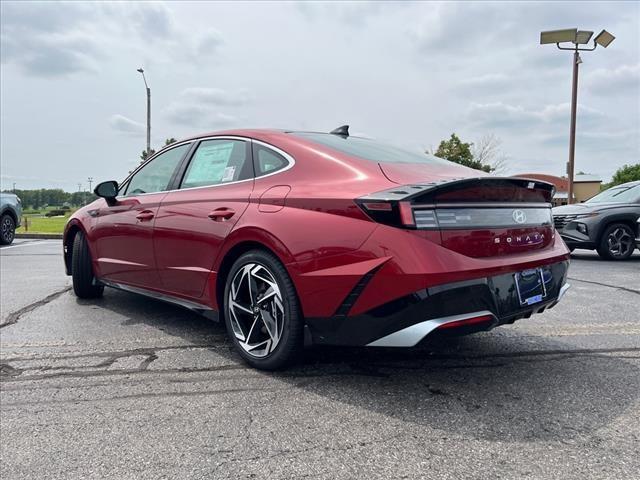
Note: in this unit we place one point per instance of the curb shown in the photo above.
(40, 236)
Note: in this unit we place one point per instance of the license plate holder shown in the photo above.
(530, 286)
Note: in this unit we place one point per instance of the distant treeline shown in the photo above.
(34, 199)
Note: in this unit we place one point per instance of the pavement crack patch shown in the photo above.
(626, 289)
(130, 371)
(147, 361)
(15, 316)
(7, 370)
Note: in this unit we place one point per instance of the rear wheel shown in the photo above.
(617, 242)
(7, 229)
(262, 313)
(84, 281)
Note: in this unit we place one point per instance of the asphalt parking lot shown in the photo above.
(127, 387)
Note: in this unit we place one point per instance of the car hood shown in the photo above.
(588, 208)
(406, 173)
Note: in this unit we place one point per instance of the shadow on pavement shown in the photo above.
(498, 385)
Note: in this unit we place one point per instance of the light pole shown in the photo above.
(577, 37)
(148, 111)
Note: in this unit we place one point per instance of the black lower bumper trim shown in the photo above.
(497, 295)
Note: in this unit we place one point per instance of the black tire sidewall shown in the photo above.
(603, 247)
(291, 342)
(82, 269)
(4, 241)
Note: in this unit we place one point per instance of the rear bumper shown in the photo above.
(472, 305)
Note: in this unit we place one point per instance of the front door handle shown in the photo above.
(145, 215)
(222, 213)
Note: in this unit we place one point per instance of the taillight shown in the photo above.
(394, 213)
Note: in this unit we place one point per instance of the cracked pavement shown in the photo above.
(127, 387)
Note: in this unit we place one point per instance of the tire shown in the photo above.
(7, 229)
(84, 282)
(617, 242)
(268, 332)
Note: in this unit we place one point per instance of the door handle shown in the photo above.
(221, 214)
(145, 215)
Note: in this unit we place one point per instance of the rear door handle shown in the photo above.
(222, 213)
(145, 215)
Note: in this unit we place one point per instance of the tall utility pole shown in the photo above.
(14, 187)
(90, 180)
(148, 111)
(577, 37)
(572, 132)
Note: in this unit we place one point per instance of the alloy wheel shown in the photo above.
(256, 311)
(6, 229)
(620, 242)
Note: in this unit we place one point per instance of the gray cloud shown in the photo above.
(200, 116)
(152, 20)
(126, 126)
(623, 80)
(409, 73)
(490, 82)
(42, 40)
(209, 43)
(502, 115)
(47, 39)
(356, 13)
(215, 96)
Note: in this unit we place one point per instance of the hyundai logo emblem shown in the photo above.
(519, 216)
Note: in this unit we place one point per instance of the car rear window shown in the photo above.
(368, 149)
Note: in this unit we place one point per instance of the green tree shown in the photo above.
(626, 173)
(455, 150)
(144, 155)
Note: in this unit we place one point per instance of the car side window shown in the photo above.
(156, 175)
(267, 161)
(216, 162)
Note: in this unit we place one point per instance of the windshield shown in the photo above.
(617, 195)
(368, 149)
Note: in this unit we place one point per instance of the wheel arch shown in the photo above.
(70, 232)
(626, 219)
(9, 211)
(239, 243)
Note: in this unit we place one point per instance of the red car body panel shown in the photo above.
(177, 242)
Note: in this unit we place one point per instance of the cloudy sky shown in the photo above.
(73, 105)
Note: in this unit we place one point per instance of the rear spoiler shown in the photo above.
(476, 189)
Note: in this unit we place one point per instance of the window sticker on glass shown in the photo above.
(210, 165)
(228, 174)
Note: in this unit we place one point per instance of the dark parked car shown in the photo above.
(320, 237)
(11, 212)
(607, 222)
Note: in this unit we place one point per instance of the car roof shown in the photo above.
(628, 184)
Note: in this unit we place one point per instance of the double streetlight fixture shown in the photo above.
(577, 38)
(148, 111)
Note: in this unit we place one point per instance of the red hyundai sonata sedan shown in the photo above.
(296, 237)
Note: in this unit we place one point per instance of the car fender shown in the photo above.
(255, 234)
(627, 216)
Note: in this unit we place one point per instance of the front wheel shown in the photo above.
(84, 281)
(261, 311)
(7, 229)
(617, 242)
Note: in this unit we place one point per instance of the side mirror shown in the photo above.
(108, 191)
